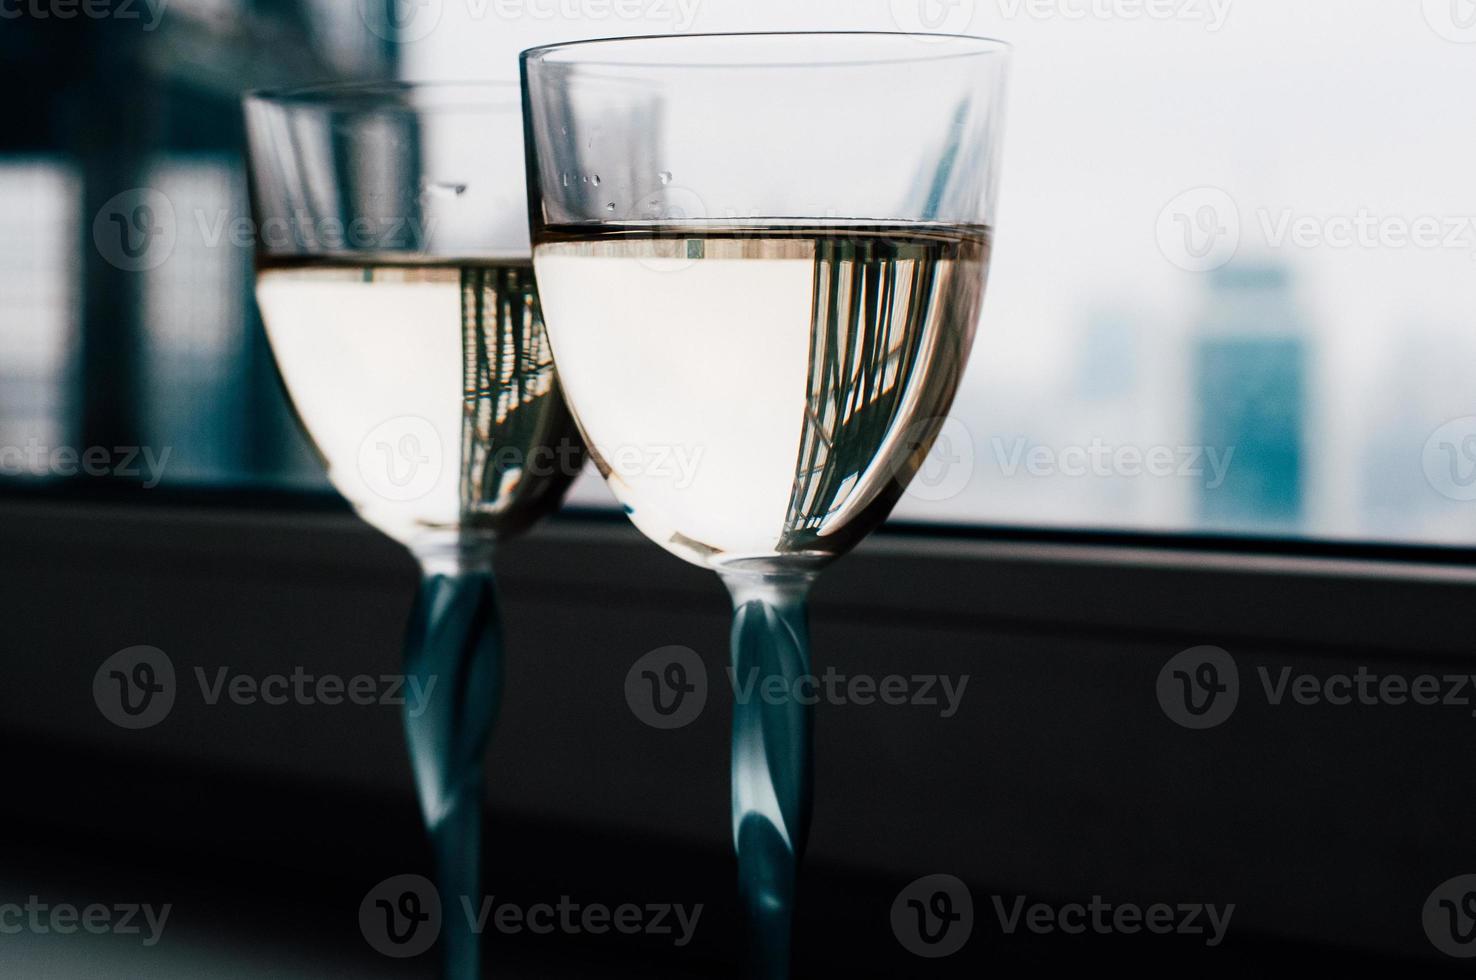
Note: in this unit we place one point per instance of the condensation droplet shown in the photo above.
(595, 180)
(610, 206)
(444, 188)
(664, 176)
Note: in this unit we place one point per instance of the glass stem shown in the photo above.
(453, 651)
(771, 758)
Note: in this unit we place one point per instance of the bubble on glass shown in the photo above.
(444, 188)
(664, 177)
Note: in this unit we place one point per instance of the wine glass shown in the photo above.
(767, 251)
(395, 282)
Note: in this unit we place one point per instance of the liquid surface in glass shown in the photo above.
(758, 392)
(427, 387)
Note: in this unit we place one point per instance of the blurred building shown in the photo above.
(1250, 369)
(126, 151)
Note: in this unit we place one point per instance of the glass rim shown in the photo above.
(392, 93)
(982, 47)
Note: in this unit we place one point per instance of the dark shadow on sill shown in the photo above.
(281, 863)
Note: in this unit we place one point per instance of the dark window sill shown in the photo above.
(1060, 777)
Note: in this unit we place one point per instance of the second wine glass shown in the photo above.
(766, 252)
(395, 282)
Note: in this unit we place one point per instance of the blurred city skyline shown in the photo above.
(1157, 168)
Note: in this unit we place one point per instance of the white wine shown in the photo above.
(804, 370)
(427, 388)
